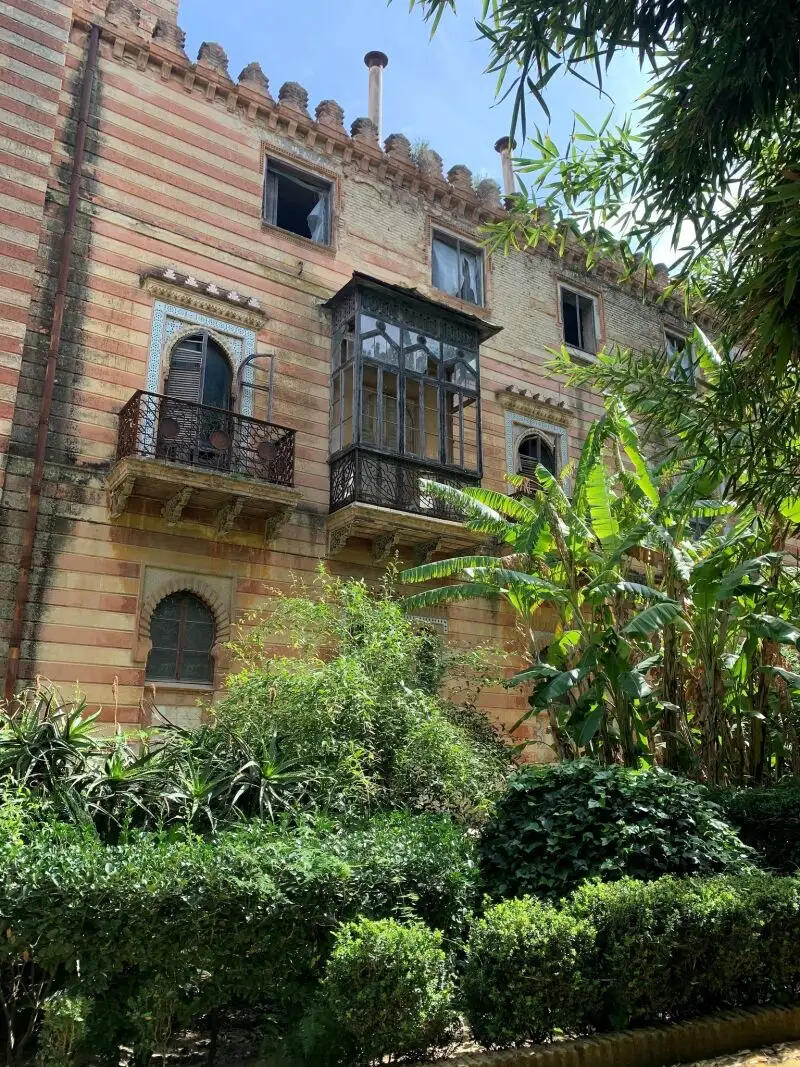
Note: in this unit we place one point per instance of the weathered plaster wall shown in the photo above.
(174, 178)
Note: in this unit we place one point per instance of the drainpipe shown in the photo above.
(376, 61)
(56, 326)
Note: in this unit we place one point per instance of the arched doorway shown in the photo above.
(195, 424)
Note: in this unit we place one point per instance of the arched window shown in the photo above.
(182, 632)
(199, 371)
(199, 374)
(533, 450)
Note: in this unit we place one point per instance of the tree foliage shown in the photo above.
(669, 642)
(709, 162)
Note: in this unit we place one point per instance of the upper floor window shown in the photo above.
(457, 268)
(579, 320)
(532, 451)
(680, 354)
(297, 202)
(200, 372)
(182, 632)
(406, 381)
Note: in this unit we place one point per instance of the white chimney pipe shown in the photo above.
(376, 61)
(505, 146)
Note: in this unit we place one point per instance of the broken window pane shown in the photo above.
(297, 202)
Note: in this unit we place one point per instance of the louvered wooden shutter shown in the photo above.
(185, 378)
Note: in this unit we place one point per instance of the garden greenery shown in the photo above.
(675, 637)
(118, 944)
(630, 953)
(557, 826)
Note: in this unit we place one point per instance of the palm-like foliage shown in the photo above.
(651, 618)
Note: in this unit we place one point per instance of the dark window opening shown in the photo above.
(577, 314)
(533, 450)
(182, 632)
(297, 203)
(457, 268)
(680, 356)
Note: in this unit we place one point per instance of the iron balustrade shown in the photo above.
(164, 428)
(361, 475)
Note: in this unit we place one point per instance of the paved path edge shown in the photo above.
(653, 1046)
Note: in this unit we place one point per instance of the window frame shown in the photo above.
(537, 435)
(686, 346)
(454, 240)
(186, 683)
(297, 170)
(594, 300)
(440, 337)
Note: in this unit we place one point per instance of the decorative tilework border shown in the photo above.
(169, 318)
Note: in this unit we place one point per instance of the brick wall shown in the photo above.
(174, 177)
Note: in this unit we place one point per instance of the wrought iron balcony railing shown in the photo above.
(158, 427)
(368, 477)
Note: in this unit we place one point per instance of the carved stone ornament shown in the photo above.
(227, 515)
(213, 55)
(430, 164)
(122, 13)
(118, 498)
(398, 146)
(214, 298)
(274, 523)
(293, 95)
(173, 508)
(329, 113)
(254, 78)
(426, 550)
(535, 405)
(365, 130)
(460, 177)
(338, 538)
(147, 23)
(170, 35)
(383, 546)
(488, 192)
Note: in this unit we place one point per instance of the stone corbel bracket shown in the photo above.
(173, 509)
(212, 298)
(384, 545)
(119, 496)
(338, 538)
(276, 521)
(226, 517)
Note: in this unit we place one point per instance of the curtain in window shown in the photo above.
(470, 290)
(445, 267)
(318, 220)
(271, 197)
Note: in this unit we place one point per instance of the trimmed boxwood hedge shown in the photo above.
(631, 953)
(171, 926)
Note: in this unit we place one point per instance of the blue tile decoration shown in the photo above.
(169, 319)
(514, 422)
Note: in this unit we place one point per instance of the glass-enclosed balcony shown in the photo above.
(405, 399)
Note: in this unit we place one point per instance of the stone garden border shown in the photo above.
(657, 1046)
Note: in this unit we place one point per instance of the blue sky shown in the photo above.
(433, 89)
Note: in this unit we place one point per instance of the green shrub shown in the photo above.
(354, 706)
(769, 821)
(631, 953)
(387, 990)
(558, 825)
(167, 927)
(527, 973)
